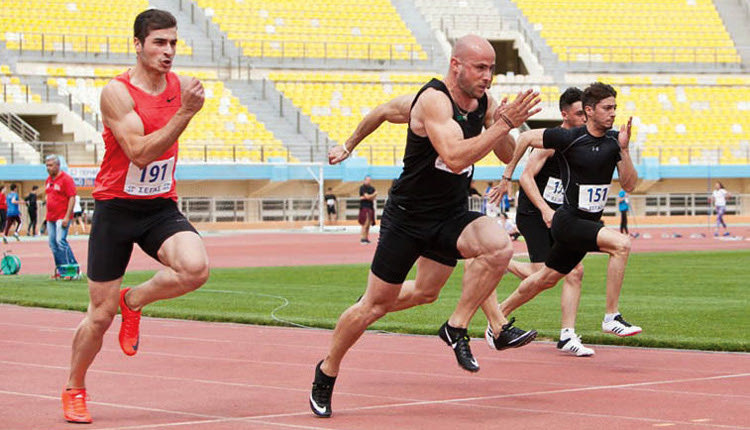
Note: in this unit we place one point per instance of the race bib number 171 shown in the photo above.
(155, 178)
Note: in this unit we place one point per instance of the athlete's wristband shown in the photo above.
(507, 121)
(348, 153)
(507, 178)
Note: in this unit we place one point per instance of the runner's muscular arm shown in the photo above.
(118, 113)
(434, 114)
(533, 166)
(533, 138)
(625, 170)
(395, 111)
(504, 148)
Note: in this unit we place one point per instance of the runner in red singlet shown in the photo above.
(144, 111)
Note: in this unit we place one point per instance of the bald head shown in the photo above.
(471, 67)
(472, 45)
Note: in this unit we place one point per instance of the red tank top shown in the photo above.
(121, 179)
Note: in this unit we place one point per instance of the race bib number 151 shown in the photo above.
(155, 178)
(592, 198)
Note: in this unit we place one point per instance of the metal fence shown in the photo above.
(89, 153)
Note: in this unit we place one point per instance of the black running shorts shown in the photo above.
(536, 234)
(119, 223)
(574, 236)
(403, 239)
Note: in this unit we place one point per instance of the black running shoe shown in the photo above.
(460, 344)
(510, 337)
(322, 390)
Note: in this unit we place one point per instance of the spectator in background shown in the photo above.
(32, 209)
(13, 213)
(623, 205)
(367, 195)
(3, 207)
(719, 198)
(483, 210)
(78, 216)
(61, 192)
(510, 227)
(331, 204)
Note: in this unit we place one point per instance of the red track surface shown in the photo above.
(223, 376)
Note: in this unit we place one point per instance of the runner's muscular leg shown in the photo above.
(104, 300)
(187, 269)
(431, 277)
(617, 245)
(529, 288)
(489, 245)
(378, 299)
(570, 296)
(491, 307)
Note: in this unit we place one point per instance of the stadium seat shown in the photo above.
(638, 31)
(335, 29)
(90, 26)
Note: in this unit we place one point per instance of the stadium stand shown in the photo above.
(690, 120)
(332, 29)
(337, 102)
(625, 31)
(75, 26)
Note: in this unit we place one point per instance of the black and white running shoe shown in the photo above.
(322, 390)
(620, 327)
(509, 337)
(458, 339)
(573, 345)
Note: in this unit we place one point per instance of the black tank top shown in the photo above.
(427, 188)
(549, 184)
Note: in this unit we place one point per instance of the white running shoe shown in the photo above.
(620, 327)
(574, 346)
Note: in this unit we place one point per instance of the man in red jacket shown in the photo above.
(61, 195)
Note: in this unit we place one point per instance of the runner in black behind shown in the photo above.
(427, 214)
(589, 157)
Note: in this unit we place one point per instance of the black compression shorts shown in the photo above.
(119, 223)
(403, 239)
(573, 236)
(536, 234)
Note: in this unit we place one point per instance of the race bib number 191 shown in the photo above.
(592, 198)
(155, 178)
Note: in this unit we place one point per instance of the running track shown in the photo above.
(195, 375)
(198, 375)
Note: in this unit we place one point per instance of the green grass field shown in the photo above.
(697, 300)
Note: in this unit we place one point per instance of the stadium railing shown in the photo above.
(591, 55)
(389, 155)
(19, 126)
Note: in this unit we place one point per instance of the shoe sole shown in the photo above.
(623, 335)
(519, 342)
(77, 422)
(569, 352)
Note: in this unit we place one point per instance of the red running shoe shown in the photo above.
(131, 320)
(74, 406)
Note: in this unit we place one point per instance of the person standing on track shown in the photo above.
(366, 218)
(13, 214)
(623, 206)
(590, 155)
(427, 215)
(3, 206)
(144, 110)
(719, 198)
(60, 190)
(31, 207)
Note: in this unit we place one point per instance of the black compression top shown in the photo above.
(427, 188)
